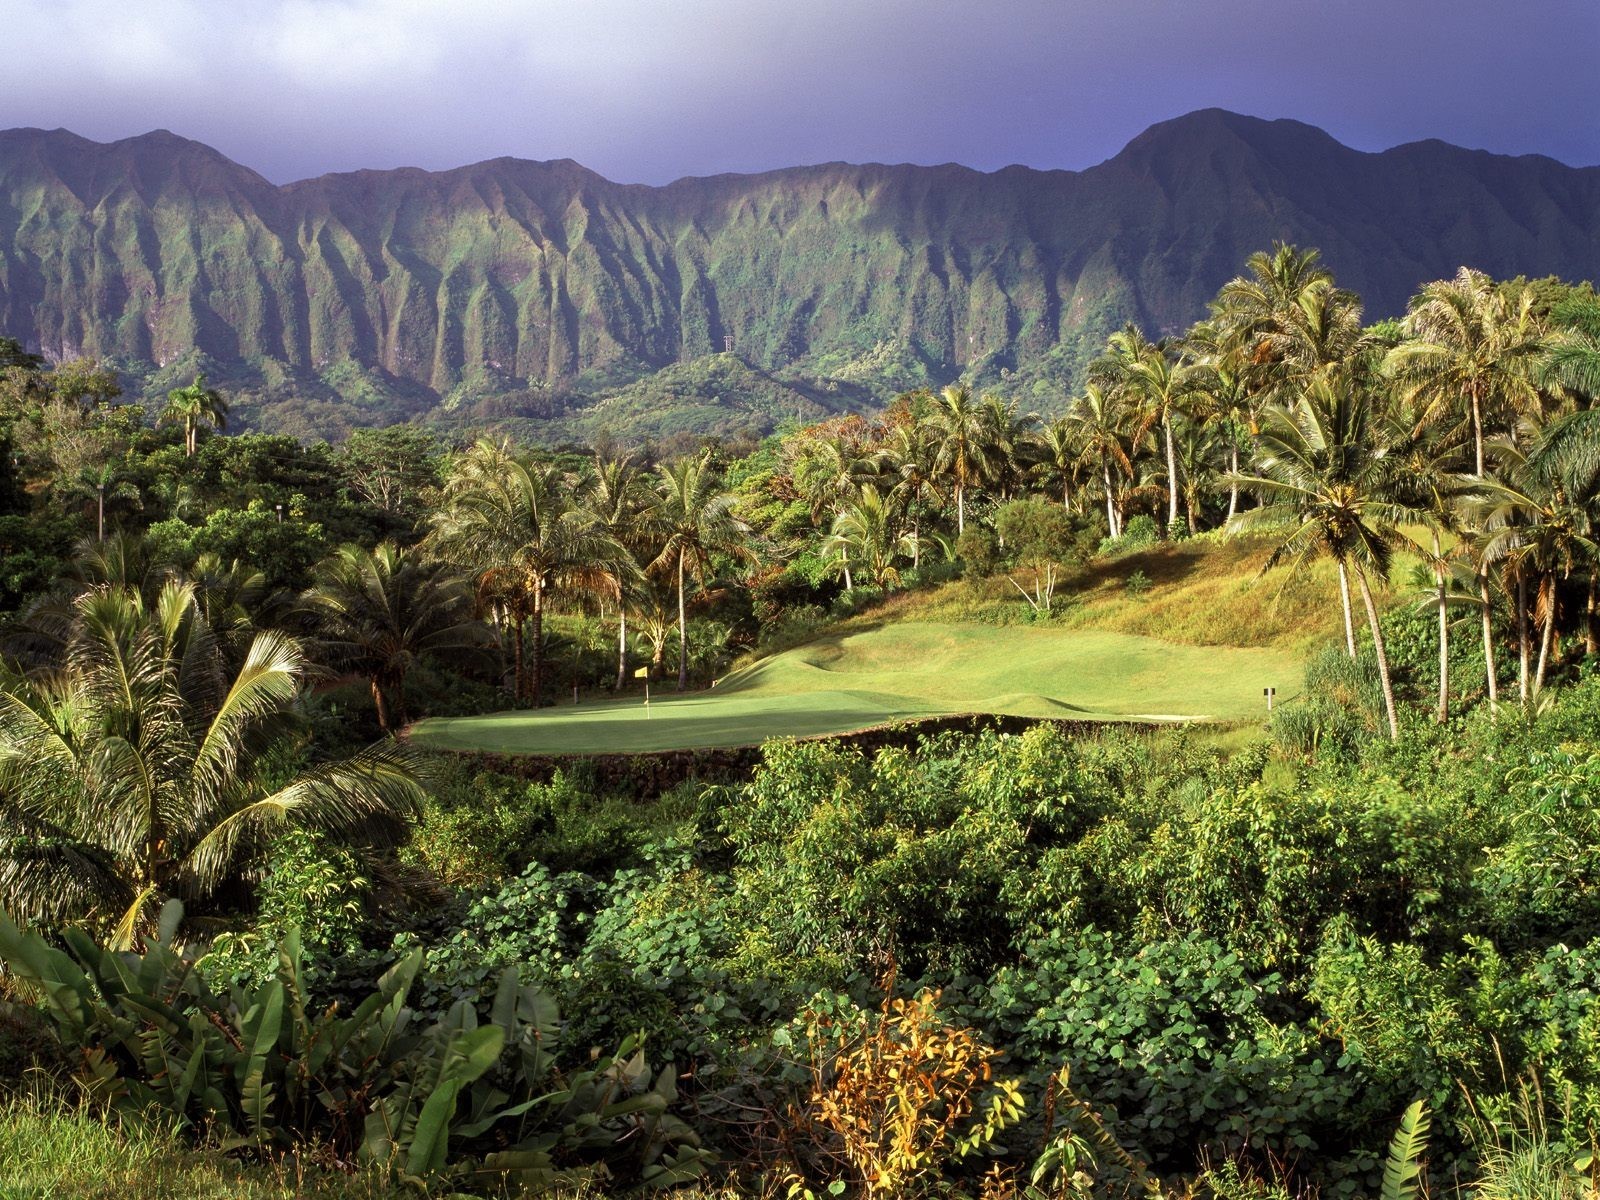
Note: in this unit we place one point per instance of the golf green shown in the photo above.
(868, 675)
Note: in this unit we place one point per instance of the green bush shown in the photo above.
(458, 1097)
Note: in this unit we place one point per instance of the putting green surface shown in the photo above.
(872, 674)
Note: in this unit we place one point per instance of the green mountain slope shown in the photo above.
(533, 291)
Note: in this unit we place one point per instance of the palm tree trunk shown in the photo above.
(1524, 640)
(100, 515)
(1233, 489)
(1344, 597)
(380, 704)
(1172, 474)
(622, 647)
(1548, 635)
(1477, 430)
(1591, 638)
(1383, 657)
(1488, 643)
(536, 672)
(1444, 633)
(683, 634)
(1111, 507)
(520, 687)
(961, 509)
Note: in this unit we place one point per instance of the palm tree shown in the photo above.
(963, 444)
(518, 526)
(1058, 457)
(1279, 318)
(194, 407)
(695, 520)
(1538, 532)
(828, 468)
(1322, 474)
(1470, 343)
(620, 501)
(864, 535)
(1010, 441)
(1427, 475)
(140, 768)
(911, 457)
(376, 612)
(1100, 423)
(1146, 374)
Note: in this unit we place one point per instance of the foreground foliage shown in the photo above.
(264, 1068)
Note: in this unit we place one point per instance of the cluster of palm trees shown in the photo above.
(1462, 432)
(530, 534)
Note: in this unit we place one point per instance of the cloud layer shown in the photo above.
(648, 90)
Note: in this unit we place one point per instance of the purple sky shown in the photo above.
(648, 90)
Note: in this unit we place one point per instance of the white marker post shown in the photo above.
(1269, 693)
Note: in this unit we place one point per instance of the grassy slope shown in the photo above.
(1201, 643)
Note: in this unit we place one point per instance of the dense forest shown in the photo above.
(1354, 953)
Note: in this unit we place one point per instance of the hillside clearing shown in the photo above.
(872, 673)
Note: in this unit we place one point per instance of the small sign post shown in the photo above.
(1269, 693)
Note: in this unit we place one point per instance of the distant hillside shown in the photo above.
(532, 292)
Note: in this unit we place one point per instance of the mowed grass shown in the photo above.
(1199, 644)
(872, 673)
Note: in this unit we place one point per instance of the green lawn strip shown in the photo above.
(869, 675)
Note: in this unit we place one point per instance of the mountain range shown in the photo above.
(543, 296)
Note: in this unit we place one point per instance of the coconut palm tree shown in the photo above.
(694, 519)
(865, 536)
(196, 407)
(376, 612)
(911, 458)
(519, 527)
(619, 498)
(1471, 346)
(1540, 533)
(140, 767)
(1011, 444)
(1323, 476)
(829, 466)
(1429, 465)
(1106, 432)
(963, 439)
(1149, 378)
(1058, 460)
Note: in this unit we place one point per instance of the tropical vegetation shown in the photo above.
(1353, 952)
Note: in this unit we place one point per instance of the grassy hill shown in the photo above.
(1198, 645)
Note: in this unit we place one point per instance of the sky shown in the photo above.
(650, 90)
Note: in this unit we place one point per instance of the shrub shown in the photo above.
(978, 551)
(904, 1093)
(452, 1098)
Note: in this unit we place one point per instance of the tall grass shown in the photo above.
(51, 1147)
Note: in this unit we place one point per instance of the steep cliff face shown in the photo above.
(514, 288)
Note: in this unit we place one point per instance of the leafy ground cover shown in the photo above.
(870, 673)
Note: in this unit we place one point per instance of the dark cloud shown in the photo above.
(651, 89)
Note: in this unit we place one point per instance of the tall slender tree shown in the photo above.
(964, 441)
(694, 519)
(1325, 483)
(196, 407)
